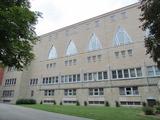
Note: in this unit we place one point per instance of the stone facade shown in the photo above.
(98, 60)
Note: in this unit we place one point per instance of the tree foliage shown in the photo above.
(17, 35)
(150, 18)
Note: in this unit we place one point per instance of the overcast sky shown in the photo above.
(61, 13)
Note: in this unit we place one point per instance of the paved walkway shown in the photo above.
(13, 112)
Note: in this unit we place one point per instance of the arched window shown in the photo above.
(94, 43)
(71, 49)
(52, 53)
(121, 37)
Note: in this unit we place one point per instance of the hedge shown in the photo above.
(25, 101)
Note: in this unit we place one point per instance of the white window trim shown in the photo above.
(154, 71)
(131, 92)
(128, 72)
(93, 91)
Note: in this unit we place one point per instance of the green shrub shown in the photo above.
(54, 102)
(158, 103)
(117, 104)
(144, 104)
(61, 103)
(85, 103)
(25, 101)
(148, 110)
(41, 102)
(107, 104)
(77, 103)
(158, 110)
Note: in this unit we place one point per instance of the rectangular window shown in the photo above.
(74, 91)
(157, 71)
(126, 73)
(99, 75)
(56, 79)
(139, 72)
(105, 75)
(130, 52)
(74, 78)
(32, 93)
(99, 57)
(89, 76)
(94, 76)
(66, 78)
(89, 59)
(130, 103)
(150, 71)
(116, 54)
(85, 76)
(128, 91)
(66, 92)
(94, 58)
(31, 82)
(91, 92)
(114, 74)
(49, 92)
(78, 78)
(45, 93)
(121, 91)
(70, 78)
(74, 61)
(96, 102)
(123, 53)
(96, 91)
(13, 81)
(47, 80)
(44, 80)
(8, 93)
(50, 65)
(132, 72)
(120, 75)
(70, 92)
(66, 63)
(62, 79)
(135, 90)
(50, 80)
(53, 80)
(101, 92)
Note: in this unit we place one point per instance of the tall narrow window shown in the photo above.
(94, 43)
(52, 53)
(71, 49)
(121, 37)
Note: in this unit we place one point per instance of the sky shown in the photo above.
(60, 13)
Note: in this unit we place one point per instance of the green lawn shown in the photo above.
(97, 113)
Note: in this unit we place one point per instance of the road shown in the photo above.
(13, 112)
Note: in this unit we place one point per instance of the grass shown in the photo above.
(97, 113)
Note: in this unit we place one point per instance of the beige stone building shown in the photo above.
(98, 60)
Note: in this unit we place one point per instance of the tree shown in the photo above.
(17, 35)
(150, 18)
